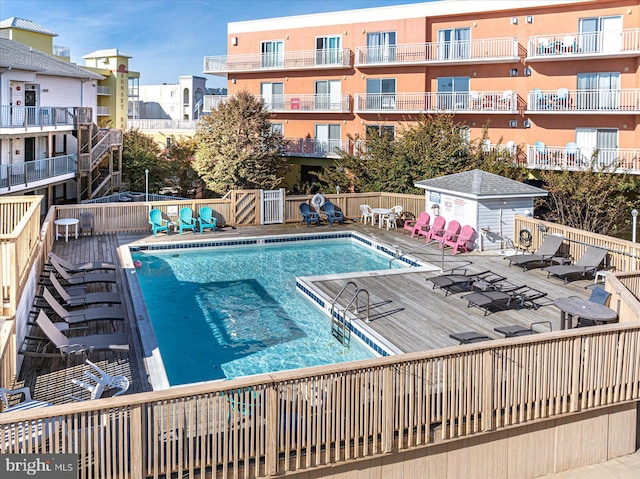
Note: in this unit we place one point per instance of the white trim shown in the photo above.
(395, 12)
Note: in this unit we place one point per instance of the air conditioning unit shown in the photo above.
(527, 124)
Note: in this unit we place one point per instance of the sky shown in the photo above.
(165, 38)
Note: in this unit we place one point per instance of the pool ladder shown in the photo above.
(339, 328)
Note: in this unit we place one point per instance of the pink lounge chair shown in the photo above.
(436, 227)
(452, 231)
(464, 240)
(414, 225)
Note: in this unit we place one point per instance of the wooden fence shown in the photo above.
(301, 420)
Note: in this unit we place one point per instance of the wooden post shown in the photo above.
(575, 373)
(487, 390)
(136, 443)
(387, 409)
(272, 424)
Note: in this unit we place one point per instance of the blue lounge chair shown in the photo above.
(158, 223)
(309, 216)
(332, 215)
(206, 219)
(186, 221)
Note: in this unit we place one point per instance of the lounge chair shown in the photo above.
(81, 344)
(515, 330)
(488, 299)
(78, 297)
(206, 220)
(157, 222)
(525, 294)
(80, 267)
(332, 214)
(588, 263)
(82, 278)
(547, 250)
(309, 216)
(427, 230)
(464, 240)
(413, 226)
(452, 231)
(101, 383)
(469, 337)
(463, 282)
(108, 313)
(186, 221)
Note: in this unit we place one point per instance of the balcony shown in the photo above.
(563, 100)
(312, 147)
(104, 90)
(294, 60)
(584, 46)
(36, 116)
(211, 102)
(466, 102)
(574, 158)
(490, 50)
(308, 103)
(151, 124)
(30, 174)
(103, 111)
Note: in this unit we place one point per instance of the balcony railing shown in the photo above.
(467, 102)
(625, 101)
(470, 51)
(294, 60)
(32, 116)
(151, 124)
(103, 111)
(211, 102)
(584, 45)
(312, 147)
(308, 103)
(574, 158)
(16, 176)
(104, 90)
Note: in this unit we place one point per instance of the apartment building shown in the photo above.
(560, 79)
(49, 141)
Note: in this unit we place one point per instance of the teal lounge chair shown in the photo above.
(207, 220)
(186, 221)
(332, 215)
(309, 216)
(158, 223)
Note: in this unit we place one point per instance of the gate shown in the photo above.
(272, 210)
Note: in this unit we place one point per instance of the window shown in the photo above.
(328, 95)
(599, 142)
(273, 95)
(381, 94)
(600, 34)
(381, 47)
(598, 91)
(388, 131)
(454, 43)
(327, 138)
(277, 128)
(453, 93)
(328, 51)
(272, 54)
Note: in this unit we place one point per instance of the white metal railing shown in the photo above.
(468, 51)
(150, 124)
(103, 111)
(293, 60)
(104, 90)
(308, 103)
(621, 42)
(542, 157)
(590, 101)
(211, 102)
(312, 147)
(20, 175)
(30, 116)
(467, 102)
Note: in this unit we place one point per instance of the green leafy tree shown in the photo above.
(140, 153)
(180, 155)
(236, 147)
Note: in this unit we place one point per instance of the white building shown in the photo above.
(177, 101)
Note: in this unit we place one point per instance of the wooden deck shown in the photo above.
(404, 308)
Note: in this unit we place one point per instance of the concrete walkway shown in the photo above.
(625, 467)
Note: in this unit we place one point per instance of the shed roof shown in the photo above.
(480, 184)
(22, 24)
(22, 57)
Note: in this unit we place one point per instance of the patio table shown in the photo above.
(381, 212)
(583, 308)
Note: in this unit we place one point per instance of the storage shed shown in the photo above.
(483, 200)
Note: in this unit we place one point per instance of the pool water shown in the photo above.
(222, 313)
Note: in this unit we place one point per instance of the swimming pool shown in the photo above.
(227, 312)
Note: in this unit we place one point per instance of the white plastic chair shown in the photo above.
(390, 219)
(367, 213)
(104, 381)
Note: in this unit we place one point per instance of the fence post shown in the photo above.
(575, 373)
(272, 425)
(487, 390)
(137, 441)
(387, 409)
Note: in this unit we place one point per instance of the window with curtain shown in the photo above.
(277, 128)
(454, 43)
(453, 93)
(273, 95)
(598, 91)
(328, 50)
(600, 34)
(598, 143)
(381, 93)
(328, 96)
(381, 47)
(272, 54)
(327, 137)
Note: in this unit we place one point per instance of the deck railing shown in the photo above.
(563, 100)
(16, 176)
(433, 102)
(326, 416)
(161, 124)
(312, 147)
(461, 51)
(211, 102)
(584, 44)
(308, 103)
(33, 116)
(574, 158)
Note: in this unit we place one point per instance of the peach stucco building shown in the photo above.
(559, 78)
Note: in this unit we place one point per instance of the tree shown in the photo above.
(236, 147)
(180, 155)
(140, 153)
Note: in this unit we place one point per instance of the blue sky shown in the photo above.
(165, 38)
